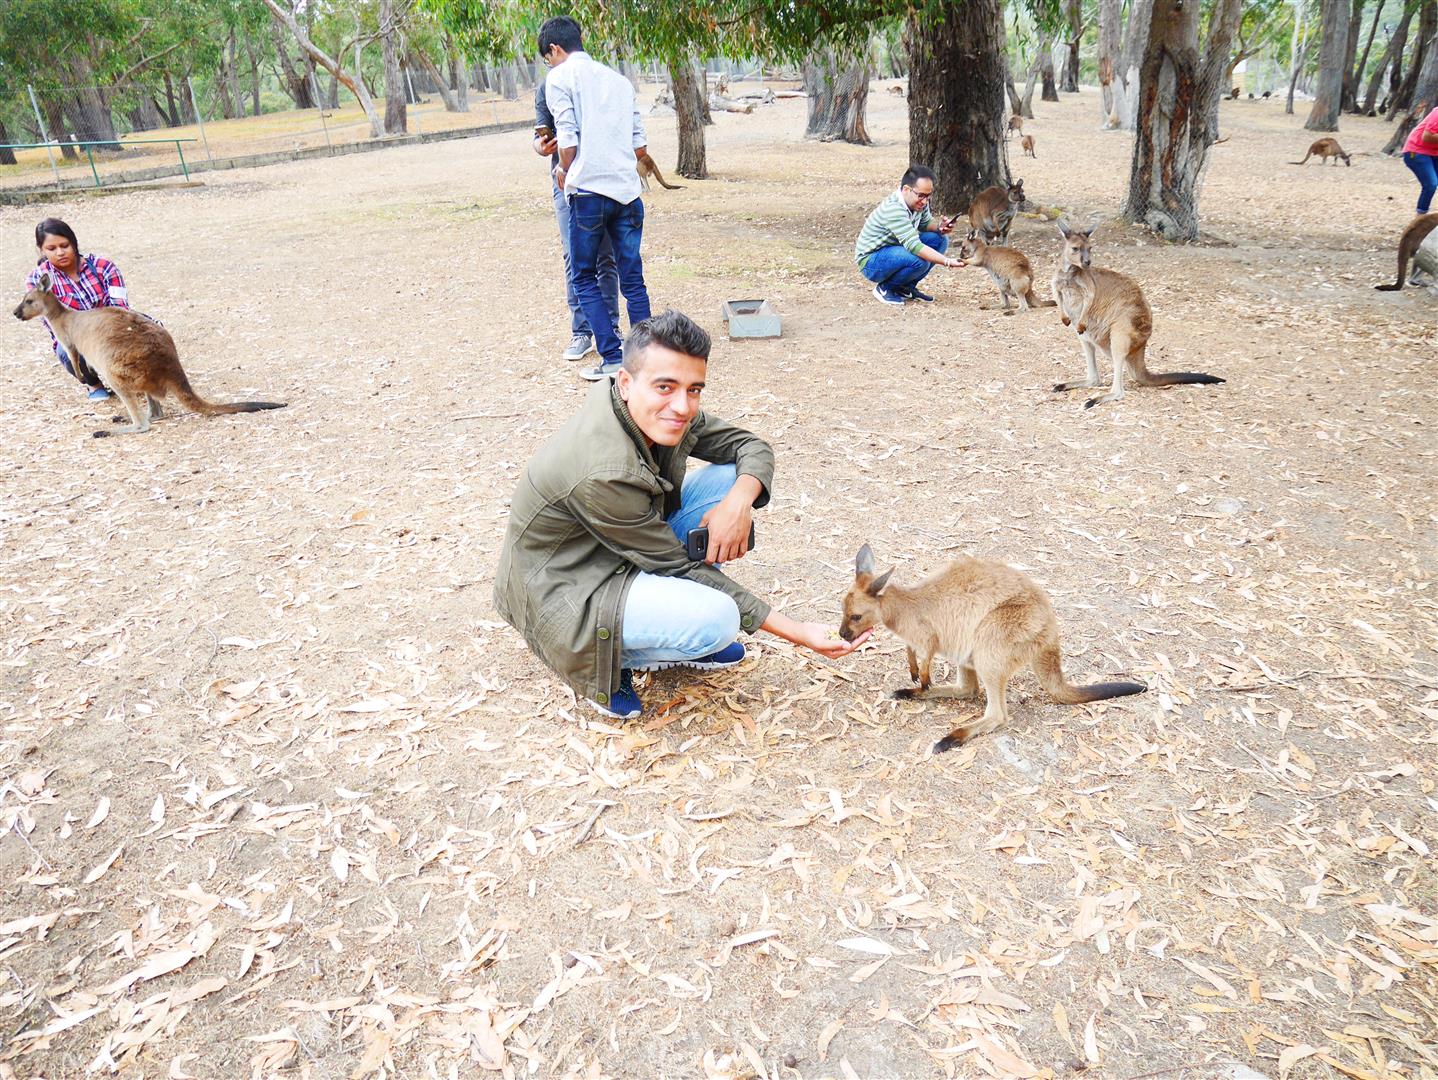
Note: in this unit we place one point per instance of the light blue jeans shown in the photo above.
(673, 618)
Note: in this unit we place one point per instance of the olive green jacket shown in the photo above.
(589, 514)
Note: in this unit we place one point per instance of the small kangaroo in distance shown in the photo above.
(1016, 125)
(647, 168)
(134, 356)
(993, 211)
(1326, 148)
(1027, 142)
(1110, 313)
(987, 618)
(1408, 245)
(1008, 267)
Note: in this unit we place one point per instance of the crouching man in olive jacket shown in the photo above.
(594, 571)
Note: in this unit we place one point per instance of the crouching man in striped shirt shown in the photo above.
(900, 241)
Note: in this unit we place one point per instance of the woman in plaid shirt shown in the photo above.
(80, 282)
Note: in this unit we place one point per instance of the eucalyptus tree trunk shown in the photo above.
(7, 156)
(1350, 86)
(354, 85)
(1026, 103)
(1427, 27)
(1046, 71)
(701, 90)
(1110, 52)
(1179, 91)
(1073, 21)
(1329, 97)
(956, 99)
(1392, 50)
(684, 85)
(837, 87)
(1425, 98)
(421, 59)
(396, 120)
(1126, 77)
(1349, 94)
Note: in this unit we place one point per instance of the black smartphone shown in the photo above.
(696, 543)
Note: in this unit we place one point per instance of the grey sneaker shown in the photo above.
(600, 371)
(580, 346)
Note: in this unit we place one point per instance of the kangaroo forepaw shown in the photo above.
(1081, 328)
(1066, 320)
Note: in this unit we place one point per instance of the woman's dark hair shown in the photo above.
(671, 329)
(562, 31)
(53, 226)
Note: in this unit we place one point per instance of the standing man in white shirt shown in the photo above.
(600, 136)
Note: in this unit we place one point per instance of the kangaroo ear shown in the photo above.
(45, 282)
(876, 586)
(1064, 228)
(864, 564)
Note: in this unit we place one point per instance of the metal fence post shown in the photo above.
(43, 133)
(195, 101)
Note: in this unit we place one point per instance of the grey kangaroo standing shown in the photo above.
(135, 356)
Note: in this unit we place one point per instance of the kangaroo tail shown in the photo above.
(1174, 378)
(1304, 161)
(192, 401)
(1049, 669)
(666, 186)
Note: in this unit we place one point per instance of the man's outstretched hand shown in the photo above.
(812, 635)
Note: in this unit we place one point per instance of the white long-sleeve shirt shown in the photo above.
(594, 109)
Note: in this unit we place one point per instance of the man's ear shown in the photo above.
(622, 381)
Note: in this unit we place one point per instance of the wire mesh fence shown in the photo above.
(71, 137)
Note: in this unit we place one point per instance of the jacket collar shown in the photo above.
(626, 421)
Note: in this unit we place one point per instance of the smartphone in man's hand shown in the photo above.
(696, 542)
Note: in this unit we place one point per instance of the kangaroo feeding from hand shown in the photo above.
(1110, 313)
(993, 211)
(1325, 148)
(1008, 267)
(1408, 245)
(988, 619)
(134, 356)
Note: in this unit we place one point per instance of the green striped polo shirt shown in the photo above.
(891, 222)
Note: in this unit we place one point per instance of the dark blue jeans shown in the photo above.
(608, 279)
(1425, 167)
(592, 218)
(895, 268)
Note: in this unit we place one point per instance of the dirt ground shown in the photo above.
(283, 797)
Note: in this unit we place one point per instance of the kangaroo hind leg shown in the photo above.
(138, 406)
(1090, 355)
(1119, 349)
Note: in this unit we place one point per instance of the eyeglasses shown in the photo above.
(922, 196)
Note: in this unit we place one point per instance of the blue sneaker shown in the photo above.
(731, 654)
(624, 703)
(914, 294)
(98, 393)
(887, 296)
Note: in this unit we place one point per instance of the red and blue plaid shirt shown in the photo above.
(97, 284)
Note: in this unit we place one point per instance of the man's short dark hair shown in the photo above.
(918, 172)
(671, 329)
(562, 31)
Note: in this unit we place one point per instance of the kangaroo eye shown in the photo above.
(853, 618)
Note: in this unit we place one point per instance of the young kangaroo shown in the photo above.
(993, 210)
(987, 618)
(647, 168)
(135, 357)
(1408, 245)
(1016, 124)
(1027, 142)
(1325, 148)
(1110, 314)
(1008, 267)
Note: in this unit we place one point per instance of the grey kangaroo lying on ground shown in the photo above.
(987, 618)
(133, 355)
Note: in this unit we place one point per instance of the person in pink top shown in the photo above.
(1420, 153)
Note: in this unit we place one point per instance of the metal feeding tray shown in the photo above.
(751, 318)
